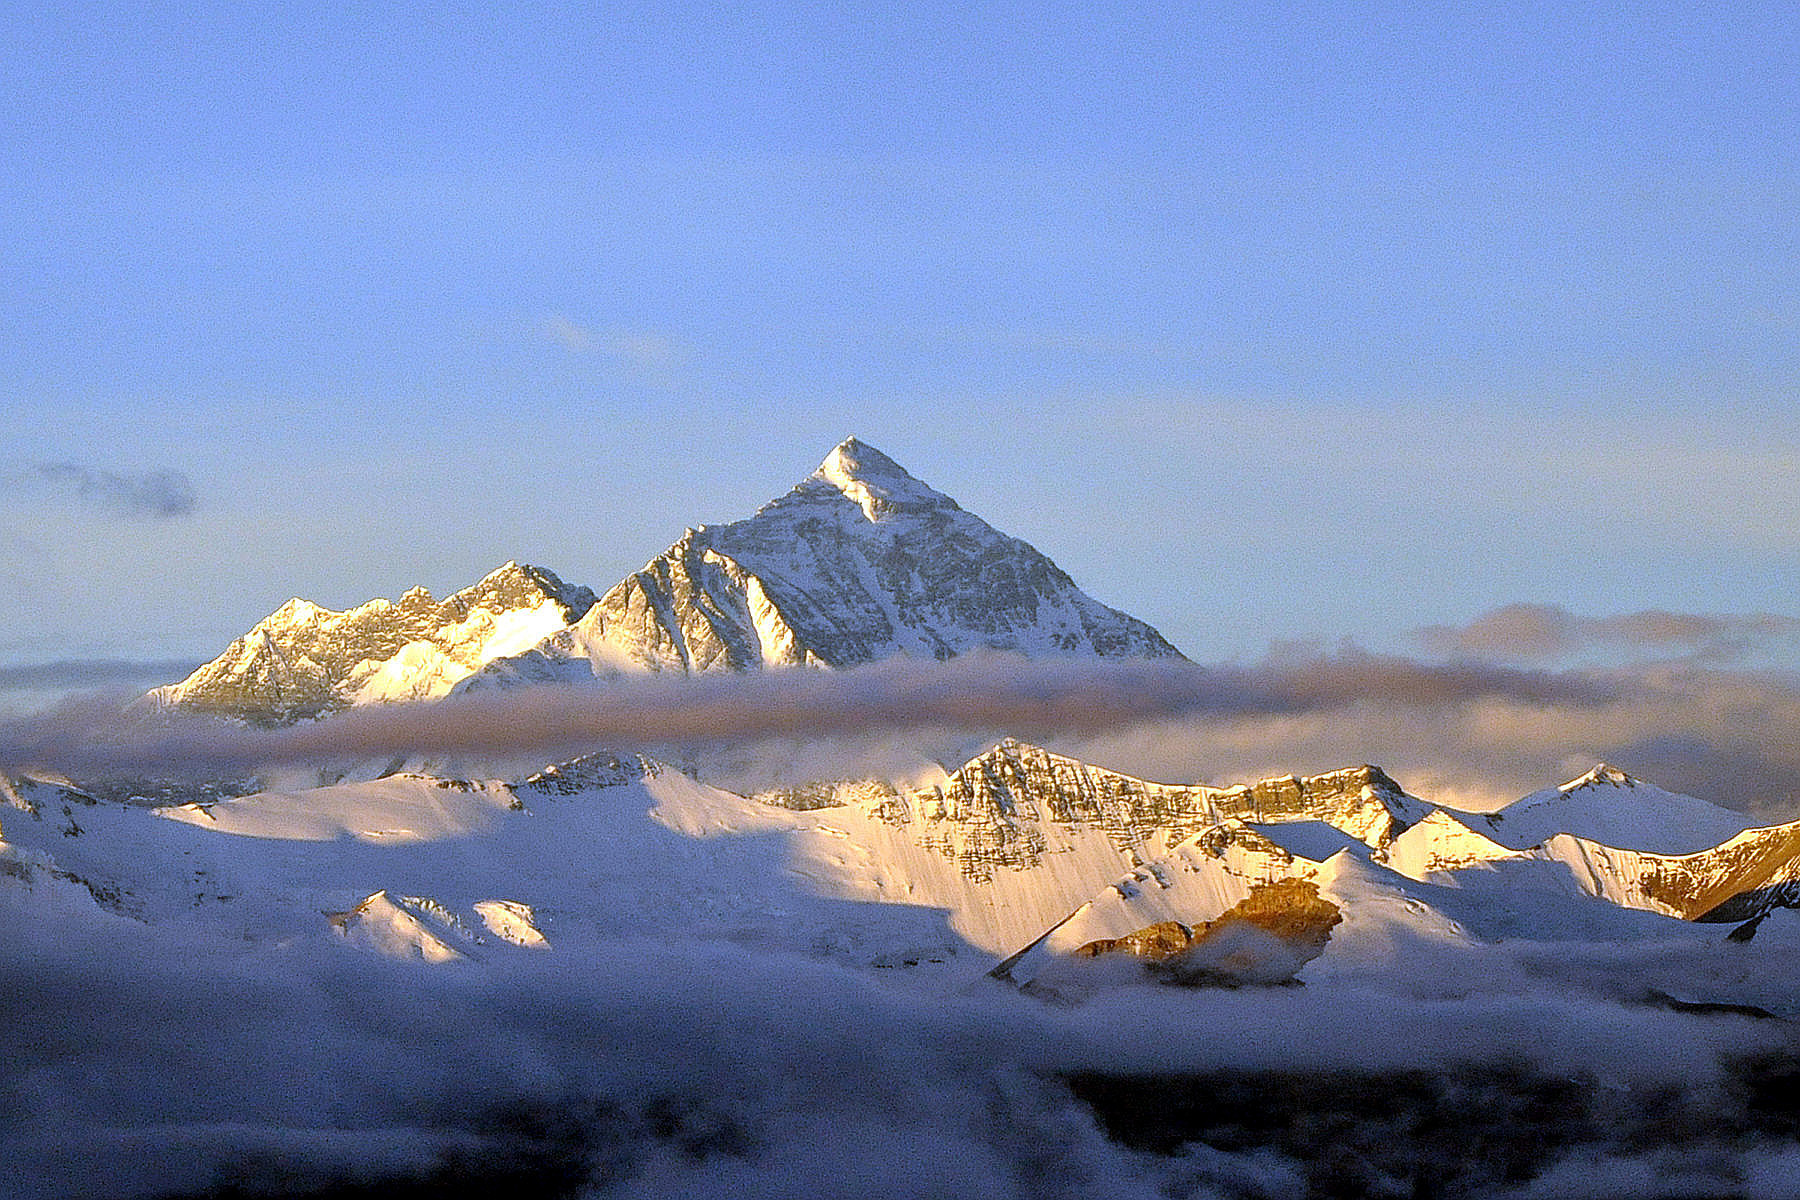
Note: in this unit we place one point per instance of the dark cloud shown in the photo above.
(155, 495)
(1545, 632)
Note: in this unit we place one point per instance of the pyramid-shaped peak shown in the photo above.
(1603, 774)
(521, 585)
(877, 483)
(295, 612)
(856, 459)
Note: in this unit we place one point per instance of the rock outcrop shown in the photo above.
(1263, 940)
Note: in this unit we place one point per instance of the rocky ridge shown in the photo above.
(999, 810)
(306, 661)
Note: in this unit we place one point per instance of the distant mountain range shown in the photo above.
(859, 562)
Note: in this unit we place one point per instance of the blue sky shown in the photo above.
(1269, 324)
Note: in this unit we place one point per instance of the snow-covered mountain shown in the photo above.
(961, 868)
(859, 562)
(1732, 880)
(1436, 876)
(1610, 807)
(1018, 848)
(305, 661)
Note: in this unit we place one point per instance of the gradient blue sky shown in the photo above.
(1267, 323)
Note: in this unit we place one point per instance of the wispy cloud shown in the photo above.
(138, 495)
(643, 352)
(1547, 632)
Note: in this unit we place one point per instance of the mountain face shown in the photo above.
(982, 859)
(1610, 836)
(1008, 808)
(1734, 880)
(1608, 806)
(304, 661)
(859, 562)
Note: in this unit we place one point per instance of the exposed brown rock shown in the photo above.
(1291, 909)
(1730, 882)
(1265, 939)
(1154, 942)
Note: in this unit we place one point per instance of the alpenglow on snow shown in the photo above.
(858, 562)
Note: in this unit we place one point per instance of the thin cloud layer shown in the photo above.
(1727, 737)
(71, 674)
(977, 694)
(1546, 632)
(1468, 734)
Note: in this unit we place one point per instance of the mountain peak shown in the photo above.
(521, 585)
(856, 457)
(858, 561)
(1602, 774)
(877, 483)
(295, 612)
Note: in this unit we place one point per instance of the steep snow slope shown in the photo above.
(860, 561)
(1610, 807)
(1733, 880)
(303, 660)
(1442, 843)
(1730, 882)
